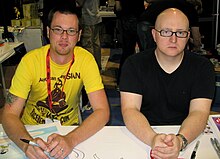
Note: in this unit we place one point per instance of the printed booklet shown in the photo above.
(214, 123)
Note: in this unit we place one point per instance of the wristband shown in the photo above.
(184, 141)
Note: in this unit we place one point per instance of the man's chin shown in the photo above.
(63, 51)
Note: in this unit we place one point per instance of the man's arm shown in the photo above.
(61, 146)
(191, 128)
(95, 121)
(15, 129)
(11, 119)
(196, 121)
(134, 120)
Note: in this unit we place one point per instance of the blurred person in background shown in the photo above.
(128, 12)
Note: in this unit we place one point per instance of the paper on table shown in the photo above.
(111, 143)
(14, 152)
(116, 142)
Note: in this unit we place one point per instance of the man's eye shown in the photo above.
(182, 33)
(166, 32)
(71, 31)
(58, 30)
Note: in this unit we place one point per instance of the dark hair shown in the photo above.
(64, 8)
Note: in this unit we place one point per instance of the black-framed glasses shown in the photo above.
(168, 33)
(60, 31)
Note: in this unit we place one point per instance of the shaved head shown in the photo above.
(172, 21)
(172, 14)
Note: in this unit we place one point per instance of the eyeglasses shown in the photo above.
(167, 33)
(60, 31)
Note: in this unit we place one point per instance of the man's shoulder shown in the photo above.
(144, 55)
(36, 53)
(40, 49)
(195, 56)
(81, 52)
(197, 61)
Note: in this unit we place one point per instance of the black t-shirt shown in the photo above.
(166, 97)
(155, 8)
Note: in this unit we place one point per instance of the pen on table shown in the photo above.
(30, 142)
(214, 144)
(217, 143)
(195, 150)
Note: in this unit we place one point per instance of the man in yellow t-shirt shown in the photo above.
(31, 77)
(47, 86)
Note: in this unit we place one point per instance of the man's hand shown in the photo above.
(59, 146)
(35, 151)
(165, 146)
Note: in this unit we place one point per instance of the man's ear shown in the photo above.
(79, 36)
(48, 32)
(153, 32)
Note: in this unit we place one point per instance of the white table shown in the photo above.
(7, 52)
(112, 142)
(31, 36)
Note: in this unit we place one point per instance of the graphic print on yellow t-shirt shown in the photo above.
(58, 100)
(61, 110)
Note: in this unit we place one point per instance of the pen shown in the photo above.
(215, 146)
(30, 142)
(33, 144)
(217, 143)
(194, 150)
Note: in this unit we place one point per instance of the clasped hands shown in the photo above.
(165, 146)
(56, 146)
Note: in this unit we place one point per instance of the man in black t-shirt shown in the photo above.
(167, 86)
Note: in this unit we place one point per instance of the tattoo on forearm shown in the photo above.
(11, 98)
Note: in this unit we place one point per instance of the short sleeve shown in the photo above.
(204, 85)
(22, 79)
(129, 79)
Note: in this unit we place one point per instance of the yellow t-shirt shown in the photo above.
(29, 82)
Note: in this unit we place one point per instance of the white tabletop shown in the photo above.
(112, 142)
(7, 50)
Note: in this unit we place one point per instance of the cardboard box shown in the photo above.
(25, 22)
(15, 22)
(30, 10)
(35, 22)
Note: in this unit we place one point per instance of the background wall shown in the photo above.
(207, 18)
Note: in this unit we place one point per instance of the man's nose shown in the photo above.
(173, 38)
(64, 34)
